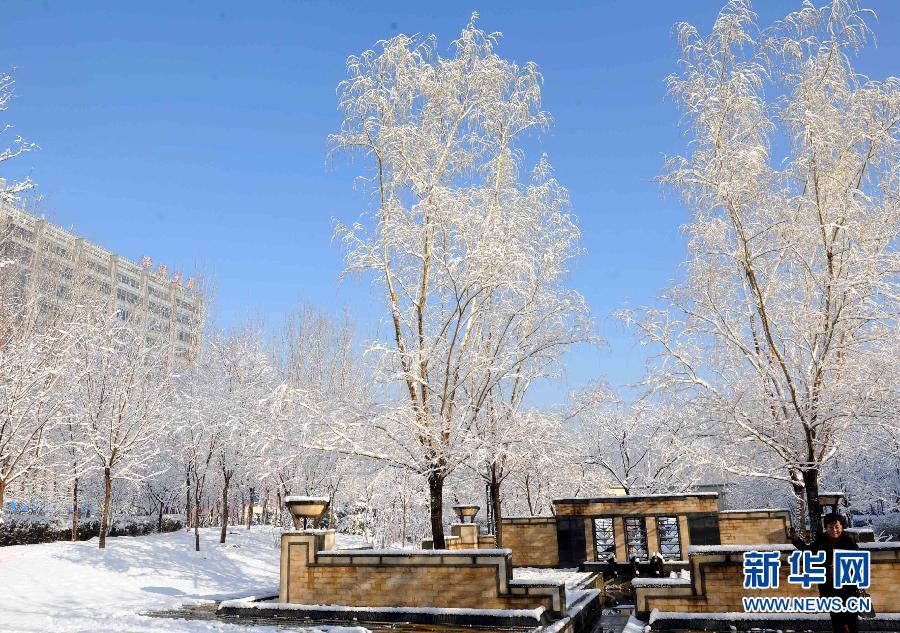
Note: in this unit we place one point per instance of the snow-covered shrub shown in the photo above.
(29, 529)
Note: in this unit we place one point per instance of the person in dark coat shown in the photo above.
(833, 538)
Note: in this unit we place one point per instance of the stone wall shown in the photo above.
(717, 580)
(312, 572)
(754, 526)
(464, 536)
(676, 504)
(532, 541)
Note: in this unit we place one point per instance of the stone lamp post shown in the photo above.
(831, 500)
(464, 512)
(305, 508)
(308, 541)
(464, 534)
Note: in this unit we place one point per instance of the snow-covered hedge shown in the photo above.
(29, 529)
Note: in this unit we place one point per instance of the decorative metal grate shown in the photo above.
(604, 539)
(636, 537)
(669, 537)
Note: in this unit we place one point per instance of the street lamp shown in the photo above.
(466, 511)
(830, 499)
(305, 508)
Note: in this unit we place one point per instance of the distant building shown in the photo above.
(58, 261)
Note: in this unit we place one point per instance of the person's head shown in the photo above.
(834, 524)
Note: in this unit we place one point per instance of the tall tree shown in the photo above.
(442, 140)
(36, 352)
(782, 330)
(123, 381)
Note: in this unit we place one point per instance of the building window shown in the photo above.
(125, 279)
(703, 529)
(571, 540)
(126, 296)
(604, 539)
(669, 537)
(636, 537)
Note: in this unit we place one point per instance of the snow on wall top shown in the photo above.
(420, 552)
(731, 549)
(535, 613)
(627, 498)
(753, 510)
(881, 545)
(775, 547)
(661, 582)
(537, 582)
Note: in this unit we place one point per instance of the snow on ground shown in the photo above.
(67, 587)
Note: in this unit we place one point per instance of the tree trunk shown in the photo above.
(250, 513)
(436, 503)
(811, 479)
(800, 494)
(278, 514)
(187, 495)
(75, 510)
(197, 515)
(2, 495)
(196, 526)
(528, 495)
(224, 509)
(107, 495)
(403, 525)
(494, 487)
(159, 517)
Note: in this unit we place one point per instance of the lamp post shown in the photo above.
(464, 512)
(830, 499)
(305, 508)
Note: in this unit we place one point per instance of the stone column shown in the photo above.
(467, 533)
(298, 550)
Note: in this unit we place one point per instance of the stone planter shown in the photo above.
(305, 508)
(466, 512)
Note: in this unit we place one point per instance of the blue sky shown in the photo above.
(195, 132)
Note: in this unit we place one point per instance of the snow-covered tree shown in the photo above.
(783, 331)
(10, 191)
(123, 381)
(442, 141)
(641, 447)
(37, 341)
(249, 377)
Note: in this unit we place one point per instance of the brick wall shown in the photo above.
(532, 541)
(389, 578)
(648, 504)
(747, 527)
(717, 580)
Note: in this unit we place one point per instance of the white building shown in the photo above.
(172, 310)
